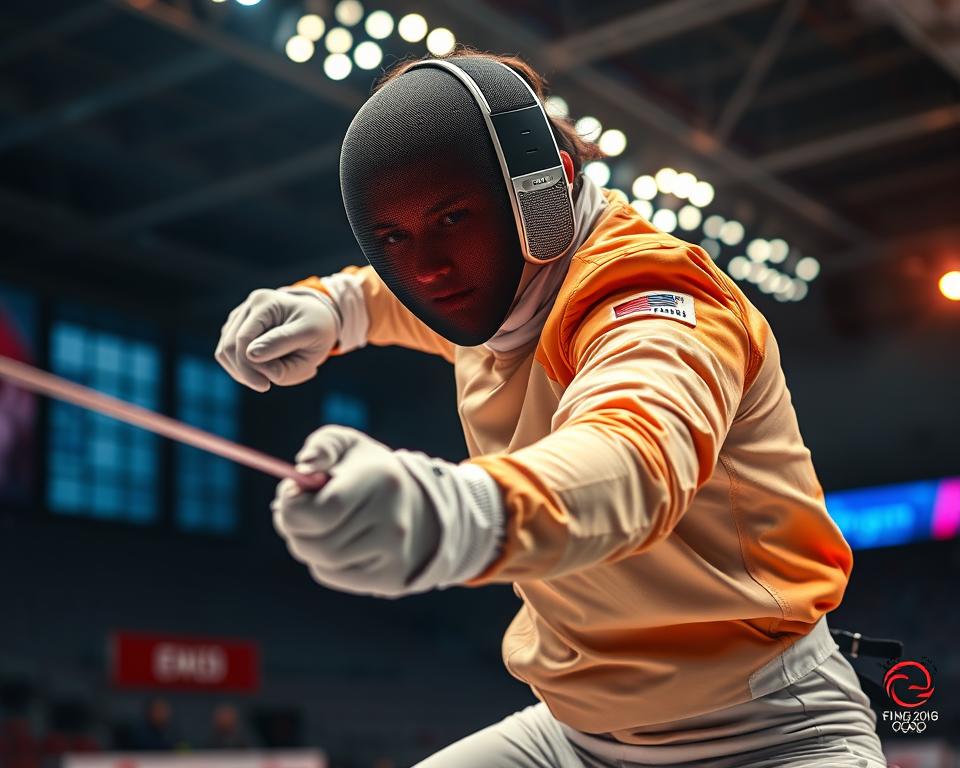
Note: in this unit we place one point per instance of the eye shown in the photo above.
(392, 238)
(453, 217)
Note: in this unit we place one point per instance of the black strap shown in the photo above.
(855, 645)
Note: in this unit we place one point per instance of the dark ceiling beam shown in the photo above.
(67, 231)
(758, 68)
(109, 98)
(589, 83)
(819, 151)
(926, 34)
(227, 190)
(627, 33)
(78, 20)
(303, 76)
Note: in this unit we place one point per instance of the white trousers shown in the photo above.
(823, 719)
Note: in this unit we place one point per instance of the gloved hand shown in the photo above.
(387, 523)
(278, 336)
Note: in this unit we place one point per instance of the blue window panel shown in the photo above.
(206, 485)
(99, 467)
(344, 409)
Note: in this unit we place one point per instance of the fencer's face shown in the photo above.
(454, 247)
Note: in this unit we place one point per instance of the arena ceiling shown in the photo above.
(173, 144)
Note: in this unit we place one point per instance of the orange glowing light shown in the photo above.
(950, 285)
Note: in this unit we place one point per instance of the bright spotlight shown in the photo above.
(712, 226)
(731, 233)
(348, 12)
(599, 171)
(643, 207)
(612, 142)
(412, 27)
(299, 49)
(368, 55)
(758, 249)
(311, 27)
(441, 41)
(757, 272)
(379, 25)
(778, 250)
(588, 127)
(738, 267)
(702, 194)
(770, 281)
(665, 220)
(337, 66)
(665, 179)
(683, 185)
(689, 217)
(557, 106)
(247, 2)
(645, 187)
(949, 285)
(807, 268)
(338, 40)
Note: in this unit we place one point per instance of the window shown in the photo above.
(347, 410)
(206, 484)
(97, 466)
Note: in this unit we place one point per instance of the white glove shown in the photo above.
(279, 337)
(387, 523)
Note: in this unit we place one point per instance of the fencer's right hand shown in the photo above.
(278, 337)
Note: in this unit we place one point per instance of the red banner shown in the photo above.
(185, 663)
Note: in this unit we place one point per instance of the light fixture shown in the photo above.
(557, 106)
(731, 233)
(689, 217)
(379, 25)
(441, 41)
(412, 27)
(665, 220)
(702, 194)
(588, 127)
(368, 55)
(299, 49)
(598, 171)
(643, 207)
(338, 40)
(665, 178)
(612, 142)
(949, 285)
(807, 268)
(311, 27)
(337, 66)
(644, 187)
(348, 12)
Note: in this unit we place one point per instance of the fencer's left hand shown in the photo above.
(387, 523)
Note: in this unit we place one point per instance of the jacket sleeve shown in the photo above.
(390, 323)
(638, 429)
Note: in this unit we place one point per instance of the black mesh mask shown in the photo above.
(425, 195)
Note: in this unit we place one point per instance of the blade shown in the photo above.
(48, 384)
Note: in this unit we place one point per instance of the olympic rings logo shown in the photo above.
(900, 726)
(915, 694)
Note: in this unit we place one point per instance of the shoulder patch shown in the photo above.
(678, 306)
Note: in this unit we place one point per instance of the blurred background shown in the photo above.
(160, 159)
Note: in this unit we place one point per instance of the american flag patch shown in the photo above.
(678, 306)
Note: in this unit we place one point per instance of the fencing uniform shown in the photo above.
(664, 526)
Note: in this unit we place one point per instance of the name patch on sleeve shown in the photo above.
(678, 306)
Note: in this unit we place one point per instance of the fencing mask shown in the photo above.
(451, 180)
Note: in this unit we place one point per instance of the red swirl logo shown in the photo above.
(908, 680)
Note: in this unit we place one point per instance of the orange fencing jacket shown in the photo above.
(664, 525)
